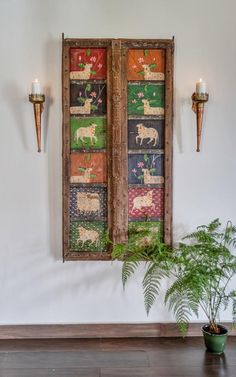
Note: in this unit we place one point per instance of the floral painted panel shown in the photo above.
(146, 99)
(87, 236)
(145, 134)
(88, 63)
(146, 169)
(88, 168)
(145, 203)
(88, 133)
(146, 64)
(88, 203)
(86, 99)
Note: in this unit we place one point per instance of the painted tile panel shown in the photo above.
(145, 203)
(146, 169)
(87, 236)
(146, 134)
(88, 63)
(86, 99)
(88, 133)
(88, 203)
(146, 99)
(146, 64)
(141, 232)
(88, 167)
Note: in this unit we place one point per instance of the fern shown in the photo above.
(152, 284)
(201, 268)
(128, 269)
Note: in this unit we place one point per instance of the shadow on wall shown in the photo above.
(52, 142)
(181, 106)
(17, 101)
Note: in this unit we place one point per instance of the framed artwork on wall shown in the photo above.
(117, 99)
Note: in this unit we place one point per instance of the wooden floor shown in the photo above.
(160, 357)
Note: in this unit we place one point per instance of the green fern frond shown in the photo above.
(152, 284)
(128, 269)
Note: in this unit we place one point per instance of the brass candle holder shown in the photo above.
(198, 101)
(37, 100)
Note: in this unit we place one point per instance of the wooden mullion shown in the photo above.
(168, 145)
(119, 226)
(66, 146)
(110, 212)
(124, 142)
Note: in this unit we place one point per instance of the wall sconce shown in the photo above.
(199, 98)
(37, 99)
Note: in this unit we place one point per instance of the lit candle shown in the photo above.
(36, 87)
(200, 87)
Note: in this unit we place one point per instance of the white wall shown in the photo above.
(35, 286)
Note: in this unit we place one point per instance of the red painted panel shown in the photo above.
(146, 202)
(91, 61)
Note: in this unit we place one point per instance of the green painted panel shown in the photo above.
(88, 236)
(145, 230)
(151, 95)
(88, 133)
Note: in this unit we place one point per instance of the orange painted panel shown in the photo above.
(88, 167)
(146, 64)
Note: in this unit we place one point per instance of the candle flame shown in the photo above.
(200, 80)
(36, 80)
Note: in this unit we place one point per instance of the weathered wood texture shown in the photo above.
(149, 330)
(168, 145)
(117, 138)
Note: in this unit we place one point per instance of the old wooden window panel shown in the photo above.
(117, 141)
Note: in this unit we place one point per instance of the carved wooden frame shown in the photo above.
(116, 138)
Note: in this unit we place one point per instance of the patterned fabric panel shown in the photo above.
(88, 203)
(143, 231)
(147, 203)
(87, 236)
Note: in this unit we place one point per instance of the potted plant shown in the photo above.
(202, 274)
(201, 269)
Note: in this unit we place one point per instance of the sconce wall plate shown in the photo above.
(37, 100)
(198, 101)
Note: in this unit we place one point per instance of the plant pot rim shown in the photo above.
(213, 334)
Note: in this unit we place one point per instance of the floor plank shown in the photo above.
(79, 359)
(69, 372)
(169, 372)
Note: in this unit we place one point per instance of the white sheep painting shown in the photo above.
(145, 202)
(85, 74)
(149, 75)
(87, 235)
(146, 133)
(85, 109)
(148, 110)
(86, 132)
